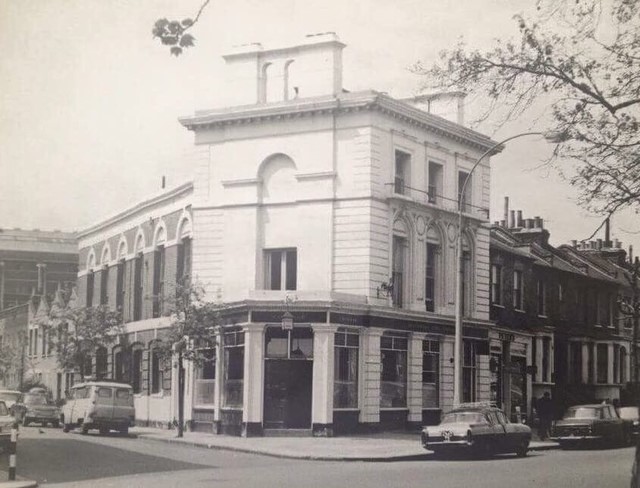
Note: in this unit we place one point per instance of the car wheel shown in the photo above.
(104, 430)
(124, 430)
(66, 428)
(84, 429)
(523, 448)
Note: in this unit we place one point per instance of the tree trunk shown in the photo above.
(180, 395)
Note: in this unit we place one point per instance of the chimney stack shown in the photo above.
(599, 241)
(512, 216)
(506, 209)
(519, 222)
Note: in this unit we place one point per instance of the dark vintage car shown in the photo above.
(35, 407)
(632, 416)
(479, 429)
(593, 423)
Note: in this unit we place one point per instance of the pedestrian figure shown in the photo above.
(544, 408)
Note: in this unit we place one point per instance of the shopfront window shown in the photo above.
(233, 369)
(469, 371)
(603, 362)
(205, 382)
(393, 385)
(345, 383)
(430, 374)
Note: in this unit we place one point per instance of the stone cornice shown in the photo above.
(346, 102)
(176, 192)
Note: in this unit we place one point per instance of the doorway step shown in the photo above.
(288, 433)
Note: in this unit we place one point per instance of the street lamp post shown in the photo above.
(457, 356)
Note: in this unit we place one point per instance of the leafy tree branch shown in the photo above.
(174, 33)
(582, 59)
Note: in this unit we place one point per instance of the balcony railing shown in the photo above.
(431, 196)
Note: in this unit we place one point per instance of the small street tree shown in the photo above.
(10, 360)
(75, 334)
(192, 332)
(583, 59)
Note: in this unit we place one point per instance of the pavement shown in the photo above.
(380, 447)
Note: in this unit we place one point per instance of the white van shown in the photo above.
(102, 405)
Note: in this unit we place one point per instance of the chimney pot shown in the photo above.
(519, 222)
(599, 241)
(512, 222)
(502, 223)
(574, 243)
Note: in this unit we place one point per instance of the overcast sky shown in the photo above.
(89, 100)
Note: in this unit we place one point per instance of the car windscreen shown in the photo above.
(582, 413)
(464, 417)
(35, 400)
(7, 396)
(628, 413)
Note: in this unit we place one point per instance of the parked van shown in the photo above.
(102, 405)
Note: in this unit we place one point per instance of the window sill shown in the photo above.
(519, 310)
(205, 407)
(346, 409)
(388, 409)
(498, 305)
(542, 316)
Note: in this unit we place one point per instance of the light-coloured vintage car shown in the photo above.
(10, 397)
(102, 405)
(6, 423)
(477, 428)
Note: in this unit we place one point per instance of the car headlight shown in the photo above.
(636, 422)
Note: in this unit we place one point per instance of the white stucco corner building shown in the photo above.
(340, 208)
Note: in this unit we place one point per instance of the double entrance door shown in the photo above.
(288, 378)
(287, 394)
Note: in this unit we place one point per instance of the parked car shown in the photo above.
(6, 422)
(477, 428)
(632, 416)
(9, 397)
(99, 405)
(35, 407)
(584, 424)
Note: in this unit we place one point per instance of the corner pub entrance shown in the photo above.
(288, 378)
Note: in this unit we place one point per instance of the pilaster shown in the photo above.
(253, 385)
(323, 375)
(414, 378)
(610, 363)
(370, 412)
